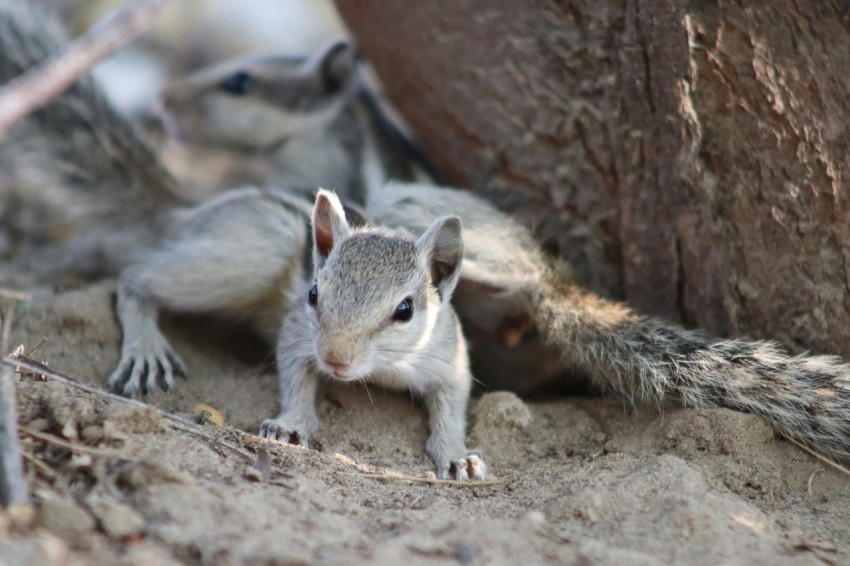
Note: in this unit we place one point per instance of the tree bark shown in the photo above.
(690, 157)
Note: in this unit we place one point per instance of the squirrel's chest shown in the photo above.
(390, 380)
(318, 161)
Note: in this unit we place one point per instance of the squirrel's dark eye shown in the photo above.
(404, 311)
(313, 295)
(238, 84)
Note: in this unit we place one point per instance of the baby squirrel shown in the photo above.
(378, 307)
(253, 252)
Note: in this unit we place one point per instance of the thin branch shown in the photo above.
(40, 84)
(33, 350)
(21, 361)
(14, 294)
(13, 483)
(215, 441)
(38, 464)
(823, 459)
(72, 446)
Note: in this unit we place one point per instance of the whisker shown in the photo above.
(297, 343)
(366, 387)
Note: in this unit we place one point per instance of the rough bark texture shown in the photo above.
(690, 157)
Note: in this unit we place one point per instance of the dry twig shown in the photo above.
(32, 350)
(214, 440)
(14, 295)
(20, 361)
(72, 446)
(48, 79)
(823, 459)
(45, 469)
(811, 477)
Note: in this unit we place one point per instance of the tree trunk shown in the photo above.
(690, 157)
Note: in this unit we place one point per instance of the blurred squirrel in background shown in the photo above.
(297, 122)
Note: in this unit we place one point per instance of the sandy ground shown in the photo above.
(580, 480)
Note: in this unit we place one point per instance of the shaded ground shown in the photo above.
(580, 478)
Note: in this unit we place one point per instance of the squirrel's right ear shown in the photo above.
(329, 225)
(441, 249)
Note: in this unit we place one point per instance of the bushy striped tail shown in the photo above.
(649, 360)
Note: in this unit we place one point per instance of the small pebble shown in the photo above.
(64, 516)
(39, 424)
(205, 414)
(116, 519)
(464, 554)
(92, 434)
(252, 474)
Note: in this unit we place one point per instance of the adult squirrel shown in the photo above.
(378, 302)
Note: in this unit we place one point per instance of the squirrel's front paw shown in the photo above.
(472, 467)
(276, 429)
(143, 369)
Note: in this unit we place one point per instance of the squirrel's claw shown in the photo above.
(275, 429)
(144, 372)
(472, 467)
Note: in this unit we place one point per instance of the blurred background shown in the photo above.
(189, 34)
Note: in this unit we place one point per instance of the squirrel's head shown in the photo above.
(262, 102)
(376, 295)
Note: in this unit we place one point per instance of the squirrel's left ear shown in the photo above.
(329, 225)
(441, 249)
